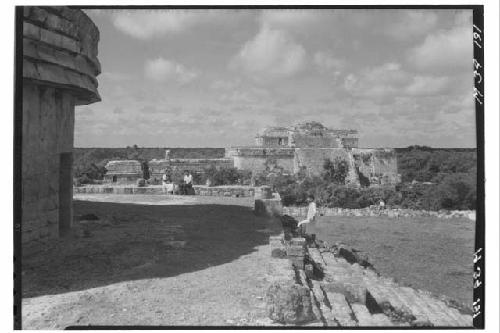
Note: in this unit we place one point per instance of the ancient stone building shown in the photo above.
(307, 135)
(123, 171)
(59, 71)
(305, 147)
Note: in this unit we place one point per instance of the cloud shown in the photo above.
(326, 61)
(270, 54)
(427, 85)
(444, 51)
(117, 110)
(163, 70)
(145, 24)
(410, 24)
(390, 81)
(289, 18)
(150, 109)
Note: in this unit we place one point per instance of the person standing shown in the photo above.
(188, 182)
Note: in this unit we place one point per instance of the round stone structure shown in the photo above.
(59, 69)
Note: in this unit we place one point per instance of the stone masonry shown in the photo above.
(306, 146)
(346, 291)
(59, 71)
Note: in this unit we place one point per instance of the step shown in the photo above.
(340, 309)
(363, 316)
(434, 315)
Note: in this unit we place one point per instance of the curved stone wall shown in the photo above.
(59, 71)
(60, 50)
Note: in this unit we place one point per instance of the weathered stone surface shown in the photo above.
(61, 51)
(59, 71)
(268, 207)
(295, 251)
(301, 212)
(289, 303)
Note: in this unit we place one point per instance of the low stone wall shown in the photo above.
(221, 191)
(389, 212)
(225, 191)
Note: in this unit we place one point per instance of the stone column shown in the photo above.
(59, 71)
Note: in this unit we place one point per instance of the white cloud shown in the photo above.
(163, 70)
(270, 54)
(391, 81)
(145, 24)
(444, 51)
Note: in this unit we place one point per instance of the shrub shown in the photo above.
(225, 176)
(335, 171)
(84, 179)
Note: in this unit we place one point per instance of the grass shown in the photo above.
(426, 253)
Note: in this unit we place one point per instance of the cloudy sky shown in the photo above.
(213, 78)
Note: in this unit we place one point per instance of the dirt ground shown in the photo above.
(427, 253)
(151, 260)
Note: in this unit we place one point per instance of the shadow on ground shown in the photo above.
(131, 241)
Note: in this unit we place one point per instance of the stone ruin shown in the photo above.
(285, 150)
(123, 171)
(59, 69)
(305, 147)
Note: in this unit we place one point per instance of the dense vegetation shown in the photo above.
(432, 179)
(426, 164)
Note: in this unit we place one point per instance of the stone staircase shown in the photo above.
(346, 294)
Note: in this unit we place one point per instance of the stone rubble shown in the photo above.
(343, 293)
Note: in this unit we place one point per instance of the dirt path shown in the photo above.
(178, 264)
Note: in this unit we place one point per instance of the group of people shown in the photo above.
(184, 188)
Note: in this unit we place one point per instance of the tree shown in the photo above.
(335, 171)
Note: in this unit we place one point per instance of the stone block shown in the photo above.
(289, 303)
(309, 270)
(297, 262)
(298, 241)
(278, 252)
(340, 309)
(295, 250)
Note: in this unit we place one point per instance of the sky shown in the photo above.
(214, 78)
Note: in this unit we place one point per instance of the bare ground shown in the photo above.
(132, 267)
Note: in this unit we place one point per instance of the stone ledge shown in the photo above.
(60, 50)
(301, 211)
(220, 191)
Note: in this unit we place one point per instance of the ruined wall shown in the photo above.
(258, 159)
(314, 140)
(195, 165)
(378, 165)
(59, 70)
(312, 159)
